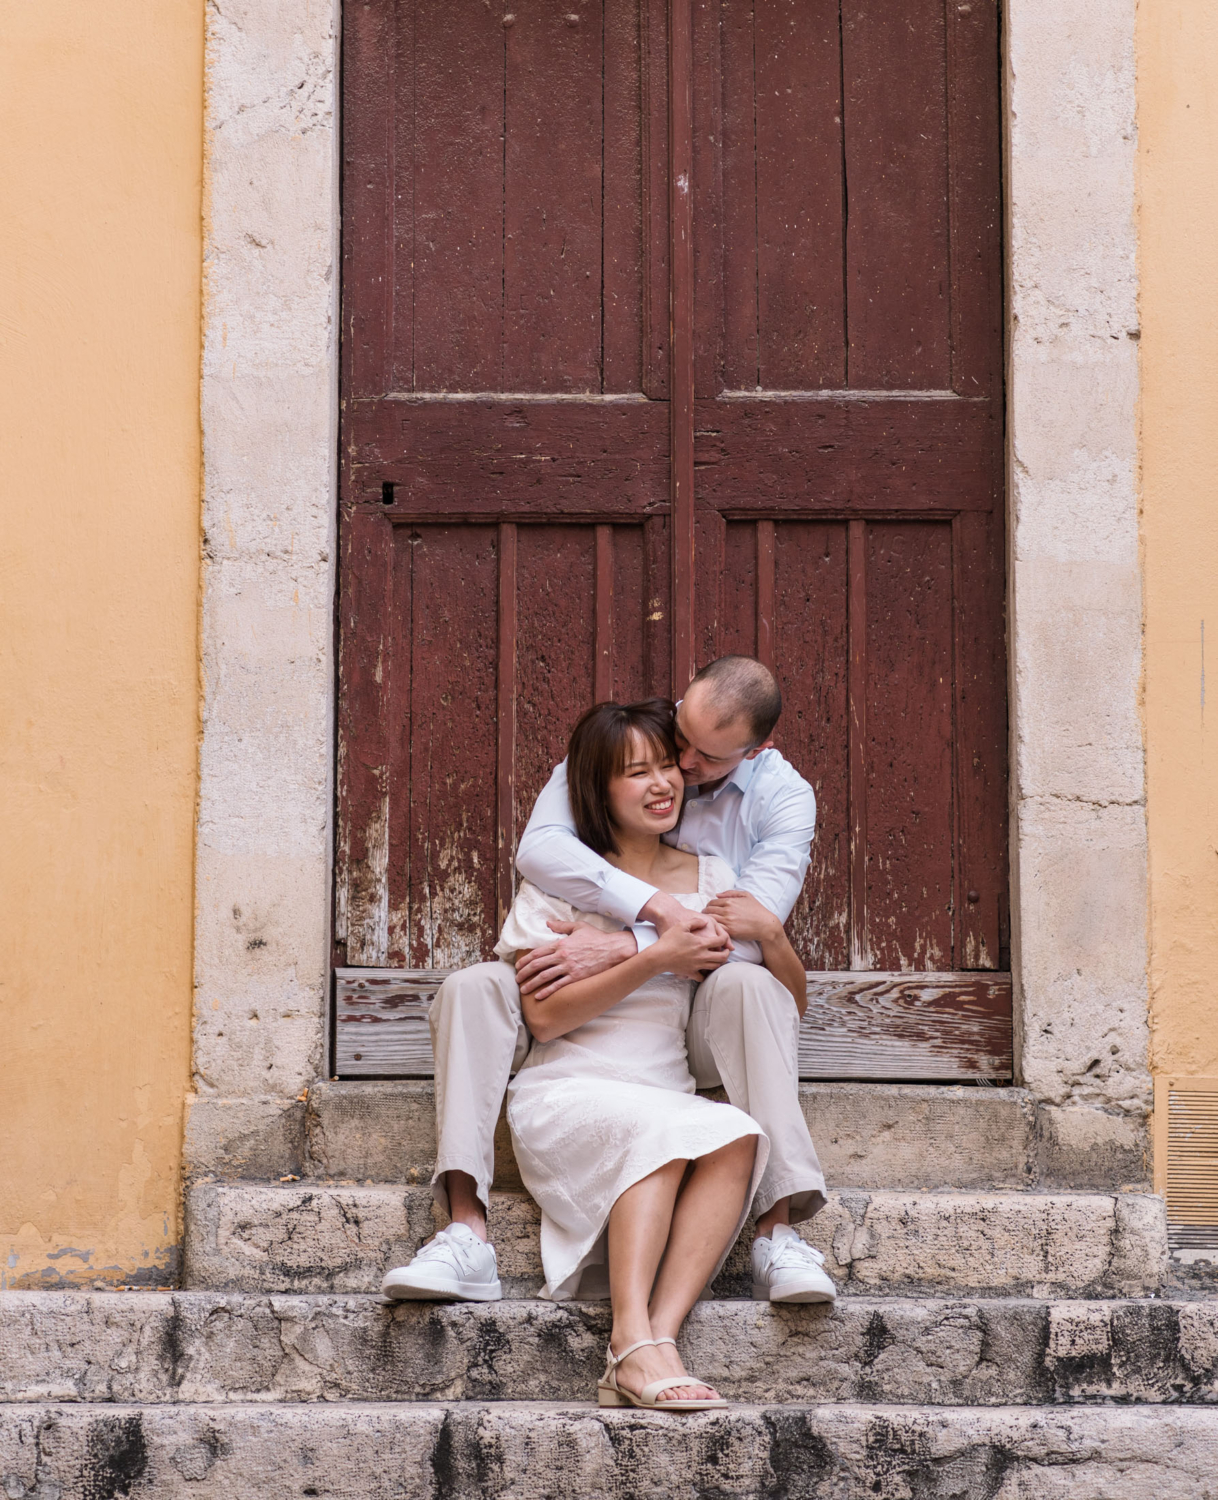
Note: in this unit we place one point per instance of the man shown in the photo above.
(745, 803)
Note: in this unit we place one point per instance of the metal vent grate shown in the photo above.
(1190, 1164)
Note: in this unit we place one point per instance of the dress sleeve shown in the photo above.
(526, 928)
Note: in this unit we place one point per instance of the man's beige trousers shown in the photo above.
(742, 1034)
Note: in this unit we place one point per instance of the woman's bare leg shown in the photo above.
(703, 1222)
(718, 1183)
(639, 1223)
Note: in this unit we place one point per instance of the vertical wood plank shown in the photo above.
(622, 168)
(397, 698)
(366, 640)
(765, 593)
(458, 196)
(452, 639)
(602, 686)
(653, 31)
(708, 195)
(401, 208)
(738, 592)
(710, 586)
(368, 154)
(896, 235)
(981, 738)
(657, 624)
(860, 955)
(681, 252)
(554, 117)
(974, 139)
(811, 605)
(555, 648)
(628, 681)
(910, 833)
(505, 775)
(800, 309)
(739, 361)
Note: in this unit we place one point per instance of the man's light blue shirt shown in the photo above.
(760, 820)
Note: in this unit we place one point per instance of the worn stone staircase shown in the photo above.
(1005, 1329)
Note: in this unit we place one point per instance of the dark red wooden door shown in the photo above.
(672, 329)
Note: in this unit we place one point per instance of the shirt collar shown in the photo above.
(742, 775)
(739, 778)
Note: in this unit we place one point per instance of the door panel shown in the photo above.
(517, 539)
(843, 370)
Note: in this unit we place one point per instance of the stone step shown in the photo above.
(870, 1135)
(313, 1237)
(180, 1347)
(534, 1451)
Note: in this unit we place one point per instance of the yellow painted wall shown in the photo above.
(1178, 146)
(100, 178)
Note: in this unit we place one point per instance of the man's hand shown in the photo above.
(666, 912)
(743, 916)
(580, 951)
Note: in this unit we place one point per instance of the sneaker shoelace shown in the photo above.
(452, 1252)
(790, 1255)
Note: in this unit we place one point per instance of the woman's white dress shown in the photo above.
(604, 1106)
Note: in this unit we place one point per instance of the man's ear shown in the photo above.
(766, 745)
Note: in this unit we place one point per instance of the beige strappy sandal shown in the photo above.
(609, 1393)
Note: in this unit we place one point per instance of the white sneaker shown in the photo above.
(787, 1270)
(455, 1266)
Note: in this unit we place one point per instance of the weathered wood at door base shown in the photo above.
(857, 1026)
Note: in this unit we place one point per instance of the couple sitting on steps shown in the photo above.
(649, 959)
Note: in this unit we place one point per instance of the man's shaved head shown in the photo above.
(737, 687)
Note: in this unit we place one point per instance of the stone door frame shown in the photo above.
(270, 435)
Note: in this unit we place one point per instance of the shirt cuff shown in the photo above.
(624, 897)
(645, 933)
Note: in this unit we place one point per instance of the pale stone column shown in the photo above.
(270, 407)
(1075, 600)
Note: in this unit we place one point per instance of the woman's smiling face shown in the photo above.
(645, 796)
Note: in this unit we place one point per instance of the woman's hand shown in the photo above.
(690, 952)
(744, 916)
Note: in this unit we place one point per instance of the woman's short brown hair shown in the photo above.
(597, 751)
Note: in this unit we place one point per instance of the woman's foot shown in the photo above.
(658, 1362)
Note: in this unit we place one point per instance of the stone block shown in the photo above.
(244, 1138)
(336, 1238)
(222, 1347)
(534, 1451)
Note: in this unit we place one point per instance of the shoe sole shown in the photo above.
(443, 1291)
(762, 1293)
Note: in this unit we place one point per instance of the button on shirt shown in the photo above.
(760, 820)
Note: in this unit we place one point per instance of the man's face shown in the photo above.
(708, 754)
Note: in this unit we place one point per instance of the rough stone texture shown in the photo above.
(209, 1347)
(386, 1132)
(1076, 1149)
(542, 1452)
(254, 1237)
(269, 409)
(1079, 836)
(244, 1137)
(869, 1135)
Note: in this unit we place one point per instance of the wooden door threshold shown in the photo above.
(904, 1027)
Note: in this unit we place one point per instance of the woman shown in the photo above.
(612, 1141)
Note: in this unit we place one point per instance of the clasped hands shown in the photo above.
(692, 943)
